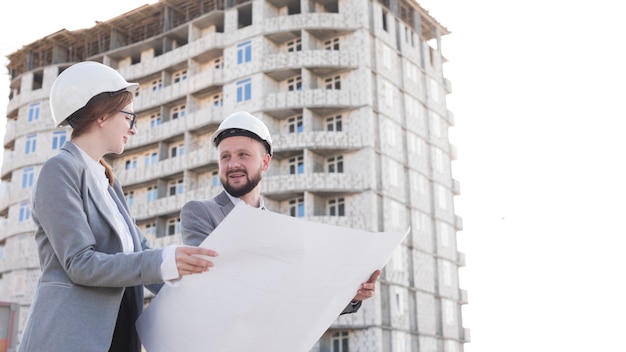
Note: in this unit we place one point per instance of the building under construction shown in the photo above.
(354, 95)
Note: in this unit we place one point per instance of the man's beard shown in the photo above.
(241, 191)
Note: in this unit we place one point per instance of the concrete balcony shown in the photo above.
(10, 132)
(14, 227)
(353, 222)
(197, 159)
(163, 168)
(162, 242)
(275, 186)
(466, 335)
(316, 60)
(4, 228)
(456, 187)
(23, 127)
(319, 140)
(192, 121)
(458, 223)
(22, 161)
(447, 85)
(314, 98)
(20, 262)
(311, 21)
(159, 207)
(203, 81)
(201, 157)
(463, 298)
(164, 62)
(460, 259)
(15, 195)
(27, 97)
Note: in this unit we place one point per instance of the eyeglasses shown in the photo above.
(134, 119)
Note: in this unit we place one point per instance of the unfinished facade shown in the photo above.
(354, 95)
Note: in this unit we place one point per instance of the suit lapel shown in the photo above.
(96, 196)
(225, 203)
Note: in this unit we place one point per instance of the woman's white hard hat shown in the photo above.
(80, 82)
(243, 123)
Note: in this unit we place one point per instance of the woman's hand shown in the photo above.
(192, 260)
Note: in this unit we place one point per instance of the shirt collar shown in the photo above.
(236, 200)
(95, 168)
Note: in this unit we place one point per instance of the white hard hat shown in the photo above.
(81, 82)
(243, 123)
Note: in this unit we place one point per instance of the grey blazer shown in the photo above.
(199, 218)
(83, 269)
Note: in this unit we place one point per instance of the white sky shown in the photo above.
(538, 99)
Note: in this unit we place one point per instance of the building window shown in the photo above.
(294, 83)
(19, 283)
(131, 163)
(333, 123)
(337, 207)
(332, 44)
(153, 194)
(333, 82)
(28, 177)
(177, 150)
(33, 112)
(151, 159)
(294, 45)
(296, 165)
(150, 229)
(58, 139)
(296, 207)
(387, 57)
(335, 164)
(31, 144)
(385, 20)
(157, 84)
(155, 119)
(218, 63)
(175, 187)
(295, 124)
(24, 212)
(215, 179)
(130, 198)
(448, 312)
(173, 226)
(447, 272)
(178, 111)
(442, 194)
(445, 231)
(438, 160)
(340, 341)
(244, 90)
(244, 52)
(179, 76)
(217, 100)
(435, 93)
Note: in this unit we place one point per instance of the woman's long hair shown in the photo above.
(104, 104)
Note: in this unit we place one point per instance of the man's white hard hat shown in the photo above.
(243, 123)
(80, 82)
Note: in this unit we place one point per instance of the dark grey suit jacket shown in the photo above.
(198, 218)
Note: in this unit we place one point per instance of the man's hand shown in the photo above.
(190, 260)
(368, 289)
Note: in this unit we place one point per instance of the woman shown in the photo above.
(94, 260)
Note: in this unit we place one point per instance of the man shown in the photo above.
(244, 145)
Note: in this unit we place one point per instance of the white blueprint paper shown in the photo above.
(277, 285)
